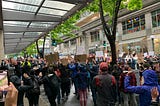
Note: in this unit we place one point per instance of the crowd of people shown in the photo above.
(110, 84)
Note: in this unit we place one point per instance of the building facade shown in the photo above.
(136, 31)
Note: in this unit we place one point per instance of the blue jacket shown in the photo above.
(144, 91)
(73, 68)
(82, 80)
(82, 77)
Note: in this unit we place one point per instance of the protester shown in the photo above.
(65, 81)
(51, 86)
(73, 68)
(27, 86)
(105, 84)
(150, 81)
(128, 98)
(17, 83)
(92, 68)
(35, 91)
(82, 84)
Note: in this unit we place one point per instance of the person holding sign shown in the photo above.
(73, 68)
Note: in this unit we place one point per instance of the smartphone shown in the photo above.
(3, 84)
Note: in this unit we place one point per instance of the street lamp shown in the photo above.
(152, 38)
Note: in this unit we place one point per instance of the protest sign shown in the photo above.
(81, 58)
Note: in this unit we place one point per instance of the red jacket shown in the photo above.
(133, 81)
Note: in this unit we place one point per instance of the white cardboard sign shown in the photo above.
(99, 54)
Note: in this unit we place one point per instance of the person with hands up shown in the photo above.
(144, 91)
(128, 96)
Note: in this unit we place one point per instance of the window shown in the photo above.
(81, 39)
(156, 18)
(94, 36)
(133, 24)
(73, 42)
(66, 44)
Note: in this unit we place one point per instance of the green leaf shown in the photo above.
(135, 4)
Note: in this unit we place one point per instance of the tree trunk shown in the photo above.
(113, 51)
(37, 48)
(110, 32)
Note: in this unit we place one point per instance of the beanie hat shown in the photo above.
(103, 66)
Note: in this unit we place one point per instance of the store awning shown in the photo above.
(25, 21)
(131, 41)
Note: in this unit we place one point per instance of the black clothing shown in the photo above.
(51, 94)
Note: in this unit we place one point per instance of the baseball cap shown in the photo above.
(103, 66)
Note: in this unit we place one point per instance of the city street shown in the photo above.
(72, 100)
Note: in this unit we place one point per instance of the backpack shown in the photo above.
(36, 88)
(53, 83)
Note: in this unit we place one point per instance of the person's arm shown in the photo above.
(132, 89)
(12, 95)
(28, 86)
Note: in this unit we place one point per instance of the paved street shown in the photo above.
(72, 100)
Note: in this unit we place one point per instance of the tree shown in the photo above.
(111, 8)
(32, 49)
(110, 32)
(105, 7)
(66, 28)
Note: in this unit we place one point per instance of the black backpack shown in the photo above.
(53, 83)
(36, 88)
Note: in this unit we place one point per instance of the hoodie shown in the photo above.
(144, 91)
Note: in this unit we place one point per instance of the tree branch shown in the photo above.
(105, 26)
(115, 17)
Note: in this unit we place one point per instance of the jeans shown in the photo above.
(129, 99)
